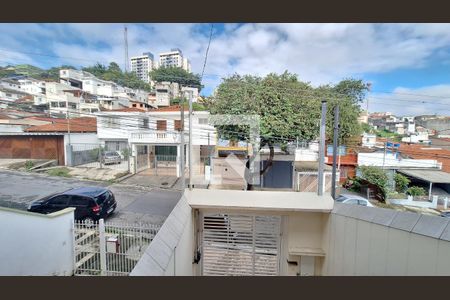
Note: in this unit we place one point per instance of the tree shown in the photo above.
(416, 191)
(377, 177)
(176, 74)
(401, 183)
(288, 108)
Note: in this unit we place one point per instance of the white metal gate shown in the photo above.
(240, 245)
(110, 249)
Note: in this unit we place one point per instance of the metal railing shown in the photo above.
(110, 249)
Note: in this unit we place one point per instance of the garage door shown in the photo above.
(240, 245)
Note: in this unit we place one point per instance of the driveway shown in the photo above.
(135, 204)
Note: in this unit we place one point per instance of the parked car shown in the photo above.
(445, 214)
(90, 203)
(111, 157)
(353, 199)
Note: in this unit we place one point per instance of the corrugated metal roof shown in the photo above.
(433, 176)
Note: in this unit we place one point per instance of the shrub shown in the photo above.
(401, 183)
(62, 172)
(375, 176)
(416, 191)
(29, 164)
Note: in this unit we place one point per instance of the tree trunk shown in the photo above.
(266, 168)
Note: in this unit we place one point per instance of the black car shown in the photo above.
(445, 214)
(90, 203)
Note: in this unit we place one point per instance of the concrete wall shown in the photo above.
(374, 241)
(171, 251)
(38, 245)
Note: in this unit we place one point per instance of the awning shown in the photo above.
(434, 176)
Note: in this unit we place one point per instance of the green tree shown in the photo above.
(377, 177)
(416, 191)
(176, 74)
(401, 183)
(288, 108)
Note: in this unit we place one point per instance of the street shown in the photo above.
(135, 204)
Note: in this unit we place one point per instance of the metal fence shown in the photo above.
(110, 249)
(94, 156)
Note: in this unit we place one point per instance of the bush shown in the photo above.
(416, 191)
(375, 176)
(29, 164)
(62, 172)
(401, 183)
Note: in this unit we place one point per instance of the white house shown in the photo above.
(369, 140)
(417, 138)
(155, 134)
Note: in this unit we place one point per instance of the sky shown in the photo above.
(407, 64)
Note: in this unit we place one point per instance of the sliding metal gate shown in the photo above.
(240, 245)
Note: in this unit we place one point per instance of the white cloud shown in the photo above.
(319, 53)
(406, 101)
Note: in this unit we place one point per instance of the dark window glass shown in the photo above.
(79, 201)
(100, 199)
(60, 200)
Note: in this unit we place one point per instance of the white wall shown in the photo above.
(36, 244)
(358, 247)
(390, 160)
(79, 138)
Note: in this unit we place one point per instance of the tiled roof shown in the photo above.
(84, 124)
(425, 152)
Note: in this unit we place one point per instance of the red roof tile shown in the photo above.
(84, 124)
(425, 152)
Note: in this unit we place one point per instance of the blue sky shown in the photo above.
(407, 64)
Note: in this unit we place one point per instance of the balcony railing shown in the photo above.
(156, 137)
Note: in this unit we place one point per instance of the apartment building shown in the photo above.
(174, 58)
(142, 65)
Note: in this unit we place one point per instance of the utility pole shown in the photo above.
(384, 155)
(322, 149)
(190, 139)
(182, 168)
(335, 142)
(125, 36)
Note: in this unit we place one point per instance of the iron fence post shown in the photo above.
(100, 155)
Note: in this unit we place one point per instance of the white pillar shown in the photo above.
(102, 242)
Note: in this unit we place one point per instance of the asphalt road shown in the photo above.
(135, 204)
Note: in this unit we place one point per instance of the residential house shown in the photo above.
(155, 137)
(49, 140)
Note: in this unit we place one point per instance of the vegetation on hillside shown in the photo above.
(115, 74)
(178, 75)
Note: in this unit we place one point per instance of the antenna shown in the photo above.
(125, 35)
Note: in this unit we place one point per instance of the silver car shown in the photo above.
(353, 199)
(111, 157)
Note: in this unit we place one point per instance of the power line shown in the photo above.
(206, 54)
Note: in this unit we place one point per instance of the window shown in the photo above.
(62, 104)
(161, 125)
(362, 202)
(61, 200)
(113, 122)
(54, 104)
(145, 121)
(134, 105)
(203, 121)
(177, 125)
(100, 199)
(352, 201)
(78, 201)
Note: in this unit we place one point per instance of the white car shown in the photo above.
(353, 199)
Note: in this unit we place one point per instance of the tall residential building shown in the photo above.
(174, 58)
(142, 65)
